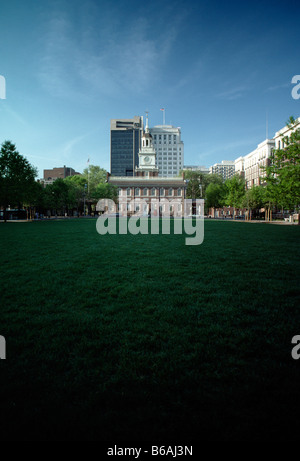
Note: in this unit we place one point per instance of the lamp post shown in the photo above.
(84, 192)
(186, 183)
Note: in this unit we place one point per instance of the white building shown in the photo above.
(255, 160)
(198, 168)
(239, 166)
(285, 131)
(169, 149)
(226, 169)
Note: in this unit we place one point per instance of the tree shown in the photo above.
(198, 181)
(254, 199)
(93, 175)
(58, 196)
(17, 177)
(234, 192)
(106, 190)
(76, 186)
(283, 174)
(214, 195)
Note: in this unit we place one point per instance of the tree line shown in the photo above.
(279, 188)
(19, 188)
(280, 184)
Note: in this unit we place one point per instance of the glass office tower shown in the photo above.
(125, 141)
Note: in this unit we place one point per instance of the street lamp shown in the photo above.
(186, 182)
(85, 186)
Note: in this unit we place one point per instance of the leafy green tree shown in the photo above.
(283, 174)
(197, 183)
(254, 199)
(36, 196)
(93, 175)
(106, 190)
(214, 195)
(17, 177)
(76, 189)
(234, 192)
(58, 197)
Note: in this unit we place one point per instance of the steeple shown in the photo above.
(147, 138)
(147, 123)
(147, 154)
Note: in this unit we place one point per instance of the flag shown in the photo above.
(162, 109)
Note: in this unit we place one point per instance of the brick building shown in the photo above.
(55, 173)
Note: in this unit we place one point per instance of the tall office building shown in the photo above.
(125, 142)
(226, 169)
(169, 149)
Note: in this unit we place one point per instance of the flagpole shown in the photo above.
(88, 162)
(164, 119)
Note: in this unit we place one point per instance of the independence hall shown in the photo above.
(145, 185)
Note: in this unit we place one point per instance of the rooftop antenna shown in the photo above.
(267, 128)
(147, 125)
(164, 118)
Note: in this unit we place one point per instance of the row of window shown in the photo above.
(159, 136)
(145, 190)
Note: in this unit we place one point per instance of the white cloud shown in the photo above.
(278, 87)
(82, 63)
(232, 93)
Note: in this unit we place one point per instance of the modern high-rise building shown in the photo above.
(169, 149)
(125, 142)
(226, 169)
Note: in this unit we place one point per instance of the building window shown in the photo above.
(137, 191)
(128, 191)
(153, 191)
(170, 191)
(162, 191)
(179, 192)
(145, 191)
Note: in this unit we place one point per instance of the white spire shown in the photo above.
(147, 126)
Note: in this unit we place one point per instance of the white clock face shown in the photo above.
(147, 159)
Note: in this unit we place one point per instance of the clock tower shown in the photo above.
(147, 155)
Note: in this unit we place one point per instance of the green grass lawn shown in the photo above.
(122, 337)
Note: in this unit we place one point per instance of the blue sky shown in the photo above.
(216, 67)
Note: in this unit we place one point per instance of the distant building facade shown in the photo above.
(226, 169)
(55, 173)
(255, 160)
(125, 142)
(285, 131)
(250, 166)
(169, 149)
(197, 168)
(239, 166)
(146, 184)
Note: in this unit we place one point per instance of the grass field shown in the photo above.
(122, 337)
